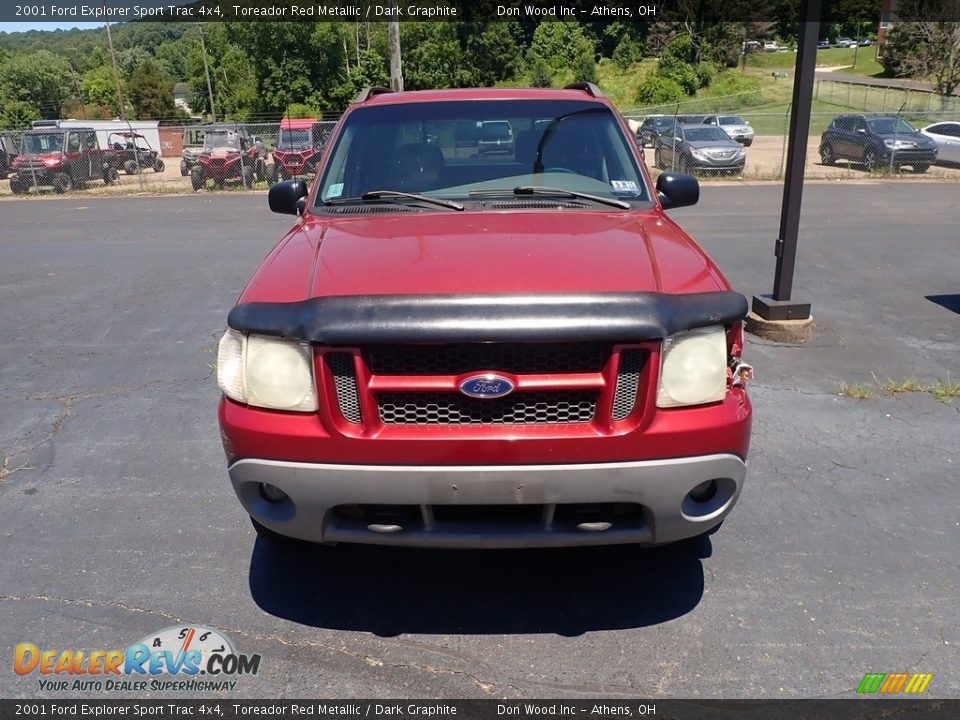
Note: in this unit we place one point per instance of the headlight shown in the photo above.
(693, 368)
(698, 154)
(266, 372)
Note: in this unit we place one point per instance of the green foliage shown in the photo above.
(40, 79)
(733, 82)
(540, 73)
(99, 89)
(627, 52)
(150, 92)
(684, 75)
(300, 110)
(660, 90)
(17, 114)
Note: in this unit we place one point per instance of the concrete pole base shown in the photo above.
(795, 332)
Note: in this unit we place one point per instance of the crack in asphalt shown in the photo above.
(486, 687)
(68, 402)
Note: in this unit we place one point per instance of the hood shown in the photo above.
(730, 144)
(490, 252)
(916, 136)
(38, 157)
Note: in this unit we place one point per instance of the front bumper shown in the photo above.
(908, 156)
(644, 502)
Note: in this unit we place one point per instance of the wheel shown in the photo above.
(271, 173)
(260, 171)
(747, 143)
(130, 167)
(62, 183)
(110, 175)
(870, 159)
(826, 155)
(921, 168)
(158, 165)
(184, 168)
(687, 167)
(247, 176)
(17, 187)
(197, 180)
(657, 159)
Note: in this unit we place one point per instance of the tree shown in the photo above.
(17, 114)
(41, 79)
(99, 88)
(151, 93)
(925, 50)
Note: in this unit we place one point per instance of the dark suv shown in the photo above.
(876, 142)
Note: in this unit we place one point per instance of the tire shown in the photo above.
(687, 167)
(826, 155)
(130, 167)
(271, 173)
(747, 143)
(17, 187)
(110, 175)
(920, 168)
(184, 169)
(197, 180)
(247, 176)
(158, 166)
(870, 159)
(260, 171)
(62, 183)
(657, 159)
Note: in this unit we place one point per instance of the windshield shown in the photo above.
(707, 134)
(429, 148)
(221, 140)
(732, 120)
(889, 126)
(293, 138)
(41, 143)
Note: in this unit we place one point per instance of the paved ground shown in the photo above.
(117, 520)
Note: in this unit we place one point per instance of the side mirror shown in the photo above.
(677, 190)
(287, 197)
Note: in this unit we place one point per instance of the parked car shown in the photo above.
(496, 136)
(697, 148)
(132, 153)
(452, 352)
(299, 142)
(864, 42)
(770, 47)
(9, 149)
(947, 137)
(876, 142)
(691, 119)
(653, 125)
(61, 158)
(734, 126)
(229, 154)
(823, 44)
(845, 42)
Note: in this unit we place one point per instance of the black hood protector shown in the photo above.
(368, 319)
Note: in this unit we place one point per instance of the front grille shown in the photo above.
(517, 358)
(628, 380)
(524, 408)
(345, 381)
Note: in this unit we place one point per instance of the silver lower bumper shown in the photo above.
(431, 499)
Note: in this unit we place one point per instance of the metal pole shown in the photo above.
(206, 70)
(116, 73)
(780, 307)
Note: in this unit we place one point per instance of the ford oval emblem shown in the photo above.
(486, 387)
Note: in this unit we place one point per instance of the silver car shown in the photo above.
(734, 125)
(947, 136)
(695, 148)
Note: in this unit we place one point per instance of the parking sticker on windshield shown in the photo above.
(624, 186)
(336, 190)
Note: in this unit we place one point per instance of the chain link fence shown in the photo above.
(269, 155)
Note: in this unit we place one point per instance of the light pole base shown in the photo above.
(769, 309)
(794, 332)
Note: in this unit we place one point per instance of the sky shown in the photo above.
(24, 26)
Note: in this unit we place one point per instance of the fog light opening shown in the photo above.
(271, 493)
(704, 492)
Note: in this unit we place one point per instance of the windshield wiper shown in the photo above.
(387, 195)
(558, 192)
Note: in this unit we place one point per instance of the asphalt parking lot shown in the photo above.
(117, 519)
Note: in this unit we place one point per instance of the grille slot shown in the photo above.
(525, 408)
(362, 209)
(517, 358)
(345, 380)
(535, 205)
(628, 380)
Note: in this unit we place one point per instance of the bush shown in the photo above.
(626, 53)
(584, 67)
(706, 71)
(684, 75)
(659, 90)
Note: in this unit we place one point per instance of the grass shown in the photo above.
(945, 390)
(866, 63)
(859, 391)
(908, 385)
(621, 85)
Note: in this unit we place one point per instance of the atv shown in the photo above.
(298, 148)
(229, 154)
(133, 153)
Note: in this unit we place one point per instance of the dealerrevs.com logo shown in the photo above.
(187, 658)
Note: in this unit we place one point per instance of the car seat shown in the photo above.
(417, 167)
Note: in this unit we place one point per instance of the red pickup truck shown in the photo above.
(455, 348)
